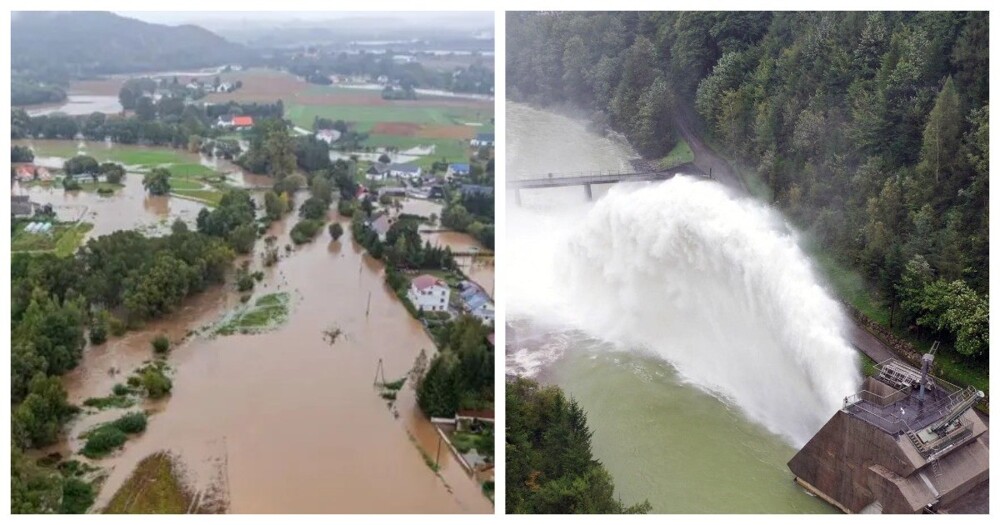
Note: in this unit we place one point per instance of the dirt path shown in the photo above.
(704, 158)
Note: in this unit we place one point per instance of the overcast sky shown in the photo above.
(482, 18)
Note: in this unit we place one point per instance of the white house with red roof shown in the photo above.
(429, 294)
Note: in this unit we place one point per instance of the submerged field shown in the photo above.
(190, 178)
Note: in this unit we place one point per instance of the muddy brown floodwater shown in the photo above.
(479, 268)
(284, 421)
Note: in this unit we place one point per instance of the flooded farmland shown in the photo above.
(282, 421)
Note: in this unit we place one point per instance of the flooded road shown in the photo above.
(282, 421)
(687, 448)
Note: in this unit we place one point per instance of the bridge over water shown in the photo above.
(588, 179)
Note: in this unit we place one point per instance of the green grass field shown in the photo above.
(128, 155)
(177, 183)
(154, 487)
(681, 154)
(209, 197)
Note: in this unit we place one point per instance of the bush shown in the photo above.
(305, 231)
(156, 383)
(336, 230)
(78, 496)
(102, 441)
(132, 423)
(117, 327)
(245, 282)
(345, 208)
(120, 390)
(98, 333)
(161, 344)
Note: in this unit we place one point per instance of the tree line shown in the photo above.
(113, 282)
(550, 465)
(869, 130)
(460, 376)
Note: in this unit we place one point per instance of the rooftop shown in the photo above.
(425, 281)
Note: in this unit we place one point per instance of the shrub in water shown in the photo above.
(161, 344)
(103, 440)
(156, 383)
(117, 327)
(131, 423)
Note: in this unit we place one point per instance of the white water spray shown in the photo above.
(714, 284)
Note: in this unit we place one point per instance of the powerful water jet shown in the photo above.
(714, 284)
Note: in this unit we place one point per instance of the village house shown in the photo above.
(476, 302)
(25, 173)
(234, 122)
(224, 87)
(429, 294)
(483, 139)
(21, 206)
(405, 171)
(392, 191)
(380, 225)
(377, 171)
(328, 135)
(457, 170)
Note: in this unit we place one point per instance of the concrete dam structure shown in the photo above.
(907, 443)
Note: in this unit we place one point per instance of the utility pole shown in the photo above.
(379, 370)
(437, 459)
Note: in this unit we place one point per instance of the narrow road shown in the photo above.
(704, 158)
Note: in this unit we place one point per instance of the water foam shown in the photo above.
(714, 284)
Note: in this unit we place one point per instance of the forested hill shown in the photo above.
(870, 129)
(94, 43)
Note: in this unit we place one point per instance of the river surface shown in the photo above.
(603, 305)
(283, 421)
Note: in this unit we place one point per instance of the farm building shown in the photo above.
(405, 171)
(907, 443)
(234, 121)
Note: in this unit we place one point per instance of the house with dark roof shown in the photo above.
(405, 171)
(457, 169)
(377, 171)
(21, 206)
(472, 189)
(483, 139)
